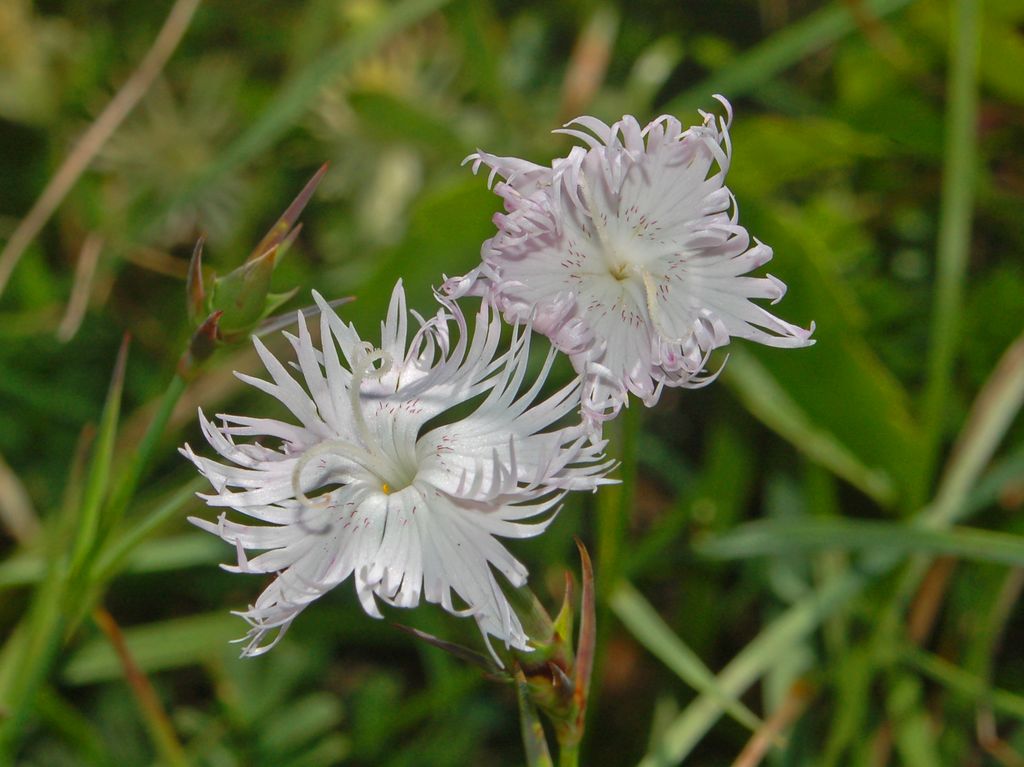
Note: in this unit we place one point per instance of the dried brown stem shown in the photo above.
(97, 135)
(153, 711)
(85, 270)
(792, 707)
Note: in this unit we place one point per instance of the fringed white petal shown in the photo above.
(354, 490)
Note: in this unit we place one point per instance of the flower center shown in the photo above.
(619, 271)
(366, 452)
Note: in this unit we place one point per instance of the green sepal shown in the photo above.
(241, 295)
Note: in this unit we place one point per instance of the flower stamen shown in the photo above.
(651, 293)
(360, 370)
(338, 447)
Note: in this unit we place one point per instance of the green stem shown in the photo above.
(614, 508)
(615, 502)
(568, 754)
(534, 740)
(957, 209)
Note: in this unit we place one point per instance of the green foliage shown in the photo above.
(824, 547)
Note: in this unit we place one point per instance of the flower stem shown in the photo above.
(534, 741)
(569, 755)
(615, 502)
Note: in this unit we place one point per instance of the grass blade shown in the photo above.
(777, 639)
(98, 479)
(781, 51)
(783, 538)
(957, 212)
(646, 625)
(295, 96)
(768, 401)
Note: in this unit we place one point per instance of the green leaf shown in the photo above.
(839, 403)
(531, 729)
(295, 97)
(752, 68)
(965, 683)
(98, 478)
(391, 118)
(155, 647)
(773, 643)
(784, 538)
(646, 625)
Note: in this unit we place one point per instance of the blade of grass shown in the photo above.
(158, 646)
(956, 214)
(992, 413)
(114, 555)
(293, 99)
(134, 88)
(686, 730)
(784, 537)
(772, 404)
(965, 683)
(128, 481)
(641, 620)
(153, 714)
(98, 479)
(787, 47)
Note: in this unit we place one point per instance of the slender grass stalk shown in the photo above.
(112, 557)
(161, 730)
(44, 629)
(90, 515)
(752, 69)
(637, 615)
(96, 136)
(956, 214)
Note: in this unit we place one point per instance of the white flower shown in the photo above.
(374, 483)
(629, 256)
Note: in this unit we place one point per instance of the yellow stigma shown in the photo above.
(386, 488)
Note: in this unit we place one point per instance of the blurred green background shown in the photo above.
(799, 569)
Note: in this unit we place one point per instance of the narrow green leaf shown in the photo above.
(761, 392)
(786, 537)
(956, 214)
(963, 682)
(752, 68)
(773, 643)
(646, 625)
(992, 413)
(98, 479)
(155, 647)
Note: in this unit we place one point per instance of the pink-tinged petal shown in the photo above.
(629, 256)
